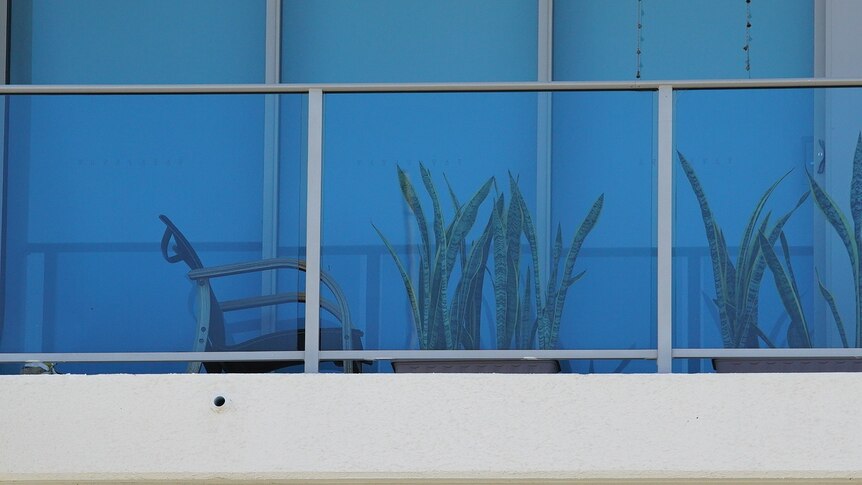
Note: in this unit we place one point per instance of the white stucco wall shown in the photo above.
(430, 426)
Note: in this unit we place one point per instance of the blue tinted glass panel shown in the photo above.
(158, 41)
(604, 144)
(292, 194)
(682, 39)
(88, 177)
(409, 41)
(466, 140)
(737, 144)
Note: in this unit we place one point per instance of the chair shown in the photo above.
(211, 334)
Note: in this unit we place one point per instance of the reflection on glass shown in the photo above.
(87, 179)
(432, 219)
(745, 251)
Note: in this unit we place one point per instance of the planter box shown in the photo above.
(470, 366)
(761, 365)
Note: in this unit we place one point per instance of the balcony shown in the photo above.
(318, 173)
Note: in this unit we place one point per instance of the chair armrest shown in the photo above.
(278, 299)
(203, 275)
(249, 267)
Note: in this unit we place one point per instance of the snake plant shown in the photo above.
(737, 287)
(850, 236)
(443, 325)
(438, 324)
(788, 291)
(515, 324)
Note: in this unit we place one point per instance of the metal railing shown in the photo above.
(664, 352)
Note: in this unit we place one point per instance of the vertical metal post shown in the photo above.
(313, 217)
(5, 35)
(821, 243)
(544, 120)
(664, 287)
(545, 61)
(269, 237)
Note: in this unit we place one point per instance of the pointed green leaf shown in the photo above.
(835, 217)
(747, 241)
(408, 285)
(797, 335)
(827, 295)
(439, 234)
(457, 205)
(501, 272)
(585, 228)
(710, 227)
(526, 323)
(530, 234)
(415, 206)
(856, 185)
(464, 220)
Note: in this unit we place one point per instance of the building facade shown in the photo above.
(620, 187)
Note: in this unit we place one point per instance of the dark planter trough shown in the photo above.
(470, 366)
(728, 365)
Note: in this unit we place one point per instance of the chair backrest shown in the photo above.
(182, 250)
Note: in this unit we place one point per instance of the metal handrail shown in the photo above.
(262, 88)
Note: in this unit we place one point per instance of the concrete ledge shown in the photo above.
(492, 428)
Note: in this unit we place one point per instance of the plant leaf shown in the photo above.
(752, 221)
(856, 185)
(457, 205)
(797, 332)
(408, 285)
(464, 220)
(530, 234)
(467, 305)
(827, 295)
(717, 254)
(501, 272)
(525, 325)
(835, 217)
(585, 228)
(415, 206)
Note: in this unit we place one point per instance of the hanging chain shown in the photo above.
(640, 38)
(747, 47)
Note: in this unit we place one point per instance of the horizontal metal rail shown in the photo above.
(330, 355)
(486, 354)
(151, 356)
(767, 353)
(334, 355)
(425, 87)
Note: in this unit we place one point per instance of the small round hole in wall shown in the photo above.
(219, 401)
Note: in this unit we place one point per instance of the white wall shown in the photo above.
(430, 426)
